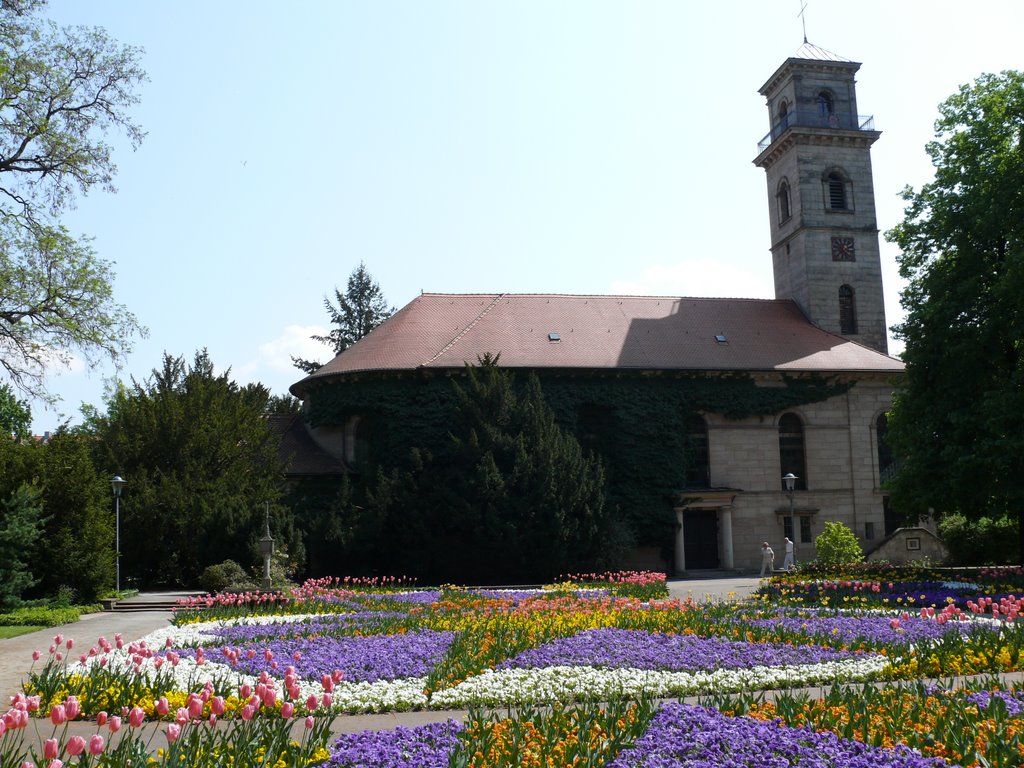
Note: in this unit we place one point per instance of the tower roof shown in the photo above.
(813, 52)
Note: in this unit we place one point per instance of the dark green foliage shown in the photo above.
(21, 524)
(201, 463)
(636, 423)
(985, 541)
(228, 575)
(957, 425)
(510, 497)
(79, 538)
(360, 309)
(40, 617)
(283, 404)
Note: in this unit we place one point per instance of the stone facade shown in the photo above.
(842, 478)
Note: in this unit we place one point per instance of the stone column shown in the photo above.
(680, 564)
(725, 518)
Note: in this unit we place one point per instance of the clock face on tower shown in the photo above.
(842, 249)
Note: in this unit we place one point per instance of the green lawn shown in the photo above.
(15, 631)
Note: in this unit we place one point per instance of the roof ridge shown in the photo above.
(609, 296)
(465, 330)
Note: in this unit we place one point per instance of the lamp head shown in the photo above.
(117, 483)
(790, 480)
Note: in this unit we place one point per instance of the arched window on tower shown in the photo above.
(698, 456)
(791, 450)
(836, 191)
(783, 115)
(782, 196)
(847, 310)
(826, 110)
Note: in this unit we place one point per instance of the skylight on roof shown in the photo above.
(721, 338)
(553, 336)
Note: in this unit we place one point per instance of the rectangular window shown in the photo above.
(869, 530)
(805, 530)
(787, 525)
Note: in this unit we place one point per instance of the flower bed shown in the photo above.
(591, 654)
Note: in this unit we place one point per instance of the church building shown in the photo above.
(701, 408)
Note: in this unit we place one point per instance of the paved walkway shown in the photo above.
(16, 652)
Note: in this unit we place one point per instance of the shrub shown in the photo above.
(985, 541)
(39, 617)
(838, 546)
(226, 575)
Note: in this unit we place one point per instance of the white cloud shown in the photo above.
(273, 362)
(699, 277)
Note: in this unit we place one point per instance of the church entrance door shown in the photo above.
(701, 539)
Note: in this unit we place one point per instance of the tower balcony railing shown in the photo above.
(836, 120)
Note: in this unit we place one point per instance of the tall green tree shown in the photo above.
(62, 91)
(15, 415)
(957, 426)
(360, 309)
(201, 463)
(512, 493)
(21, 525)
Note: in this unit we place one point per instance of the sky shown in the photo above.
(472, 146)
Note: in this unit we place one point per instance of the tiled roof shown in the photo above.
(444, 331)
(301, 455)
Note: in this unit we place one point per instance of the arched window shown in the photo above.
(791, 450)
(782, 196)
(884, 451)
(847, 311)
(826, 107)
(353, 439)
(836, 191)
(783, 115)
(698, 456)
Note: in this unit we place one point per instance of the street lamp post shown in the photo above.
(790, 480)
(118, 485)
(266, 549)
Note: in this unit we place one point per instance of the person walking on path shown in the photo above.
(788, 561)
(767, 559)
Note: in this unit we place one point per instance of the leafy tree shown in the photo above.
(957, 426)
(512, 493)
(201, 462)
(62, 90)
(360, 309)
(837, 545)
(283, 405)
(985, 541)
(15, 415)
(21, 522)
(78, 540)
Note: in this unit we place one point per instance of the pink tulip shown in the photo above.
(217, 705)
(58, 639)
(287, 710)
(311, 702)
(181, 716)
(115, 724)
(173, 732)
(96, 744)
(58, 715)
(101, 719)
(76, 746)
(52, 764)
(309, 722)
(136, 717)
(72, 707)
(70, 643)
(36, 655)
(247, 712)
(162, 706)
(50, 749)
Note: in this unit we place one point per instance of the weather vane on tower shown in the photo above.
(803, 19)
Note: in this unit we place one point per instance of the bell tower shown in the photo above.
(821, 200)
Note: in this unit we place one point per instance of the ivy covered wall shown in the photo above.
(634, 420)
